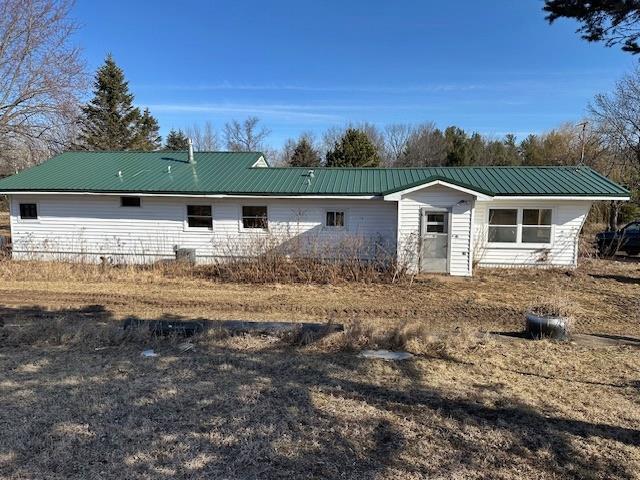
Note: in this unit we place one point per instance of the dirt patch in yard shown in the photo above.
(604, 293)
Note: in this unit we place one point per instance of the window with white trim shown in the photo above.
(334, 219)
(536, 225)
(503, 225)
(28, 211)
(520, 225)
(255, 217)
(199, 216)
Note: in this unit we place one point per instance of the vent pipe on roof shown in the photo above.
(190, 143)
(310, 174)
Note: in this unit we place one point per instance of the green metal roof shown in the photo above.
(232, 174)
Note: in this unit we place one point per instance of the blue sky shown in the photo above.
(491, 66)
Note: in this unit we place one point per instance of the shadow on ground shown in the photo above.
(271, 412)
(617, 278)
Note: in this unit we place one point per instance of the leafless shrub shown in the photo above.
(587, 247)
(270, 259)
(272, 263)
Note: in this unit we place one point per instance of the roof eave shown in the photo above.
(352, 196)
(567, 197)
(480, 194)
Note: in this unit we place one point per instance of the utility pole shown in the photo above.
(582, 139)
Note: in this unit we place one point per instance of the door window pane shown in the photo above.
(436, 223)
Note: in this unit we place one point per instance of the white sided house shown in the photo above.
(142, 207)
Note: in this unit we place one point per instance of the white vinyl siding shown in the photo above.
(87, 227)
(567, 218)
(437, 197)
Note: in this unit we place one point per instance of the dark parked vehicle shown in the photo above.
(627, 239)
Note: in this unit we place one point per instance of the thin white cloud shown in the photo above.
(292, 112)
(324, 112)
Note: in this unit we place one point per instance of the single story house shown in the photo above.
(146, 206)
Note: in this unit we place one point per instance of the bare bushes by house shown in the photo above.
(586, 240)
(265, 257)
(269, 258)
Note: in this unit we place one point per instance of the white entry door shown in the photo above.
(434, 241)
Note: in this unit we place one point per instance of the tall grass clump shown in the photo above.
(555, 306)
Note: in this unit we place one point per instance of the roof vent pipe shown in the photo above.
(190, 143)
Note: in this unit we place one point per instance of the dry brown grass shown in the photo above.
(552, 306)
(604, 294)
(78, 401)
(247, 407)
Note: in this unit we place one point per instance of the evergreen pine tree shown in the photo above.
(457, 147)
(176, 140)
(147, 133)
(111, 120)
(354, 149)
(304, 155)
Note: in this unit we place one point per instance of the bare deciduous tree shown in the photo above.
(204, 139)
(41, 75)
(425, 146)
(396, 139)
(284, 155)
(616, 117)
(330, 137)
(246, 136)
